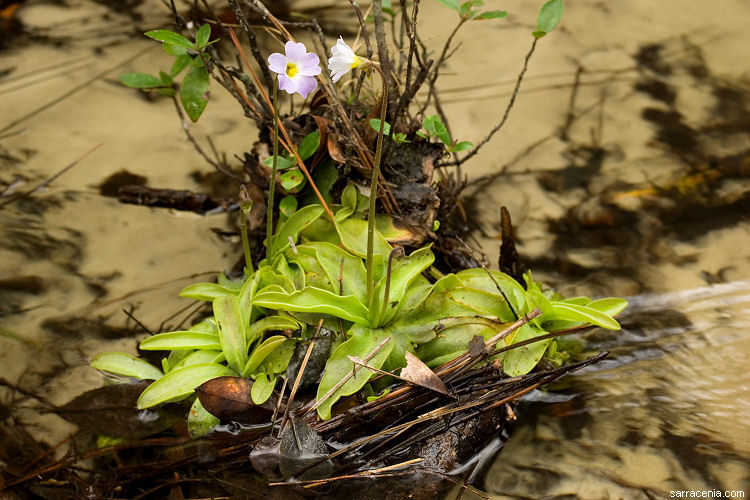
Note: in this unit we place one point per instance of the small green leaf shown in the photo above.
(421, 134)
(375, 124)
(435, 127)
(140, 81)
(349, 197)
(574, 312)
(452, 4)
(611, 306)
(522, 360)
(166, 79)
(180, 63)
(201, 36)
(261, 352)
(231, 331)
(293, 180)
(197, 358)
(270, 323)
(205, 291)
(463, 146)
(179, 383)
(549, 16)
(400, 138)
(174, 50)
(195, 91)
(282, 162)
(199, 421)
(309, 145)
(126, 364)
(278, 360)
(287, 206)
(315, 300)
(175, 341)
(262, 388)
(493, 14)
(170, 37)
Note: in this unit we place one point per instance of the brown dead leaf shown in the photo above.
(416, 372)
(228, 399)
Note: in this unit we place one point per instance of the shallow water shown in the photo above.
(639, 188)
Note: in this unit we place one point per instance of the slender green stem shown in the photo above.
(374, 184)
(272, 185)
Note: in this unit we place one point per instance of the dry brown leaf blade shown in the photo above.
(228, 398)
(418, 373)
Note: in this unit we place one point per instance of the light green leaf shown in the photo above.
(140, 81)
(282, 162)
(293, 180)
(403, 272)
(522, 360)
(292, 227)
(249, 313)
(493, 14)
(574, 312)
(549, 16)
(353, 235)
(463, 146)
(201, 36)
(175, 341)
(261, 352)
(180, 63)
(271, 323)
(278, 360)
(231, 331)
(127, 365)
(375, 124)
(262, 388)
(581, 301)
(287, 207)
(453, 341)
(315, 300)
(363, 341)
(180, 383)
(611, 306)
(199, 357)
(309, 145)
(435, 127)
(199, 421)
(206, 291)
(452, 4)
(340, 267)
(195, 91)
(349, 197)
(170, 37)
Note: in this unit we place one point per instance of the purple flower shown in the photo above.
(297, 69)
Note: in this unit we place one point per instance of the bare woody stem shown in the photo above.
(272, 184)
(374, 183)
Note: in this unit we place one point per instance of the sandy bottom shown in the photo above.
(631, 182)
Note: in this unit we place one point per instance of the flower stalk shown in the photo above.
(272, 184)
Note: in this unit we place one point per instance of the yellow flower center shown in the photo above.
(356, 62)
(291, 70)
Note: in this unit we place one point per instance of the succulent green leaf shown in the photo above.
(340, 267)
(247, 310)
(282, 162)
(315, 300)
(195, 91)
(199, 421)
(170, 37)
(522, 360)
(363, 341)
(199, 357)
(262, 388)
(261, 352)
(287, 207)
(278, 360)
(349, 197)
(125, 364)
(309, 145)
(403, 272)
(453, 341)
(574, 312)
(140, 81)
(206, 291)
(293, 180)
(353, 234)
(180, 340)
(180, 383)
(611, 306)
(271, 323)
(231, 331)
(292, 227)
(581, 301)
(201, 36)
